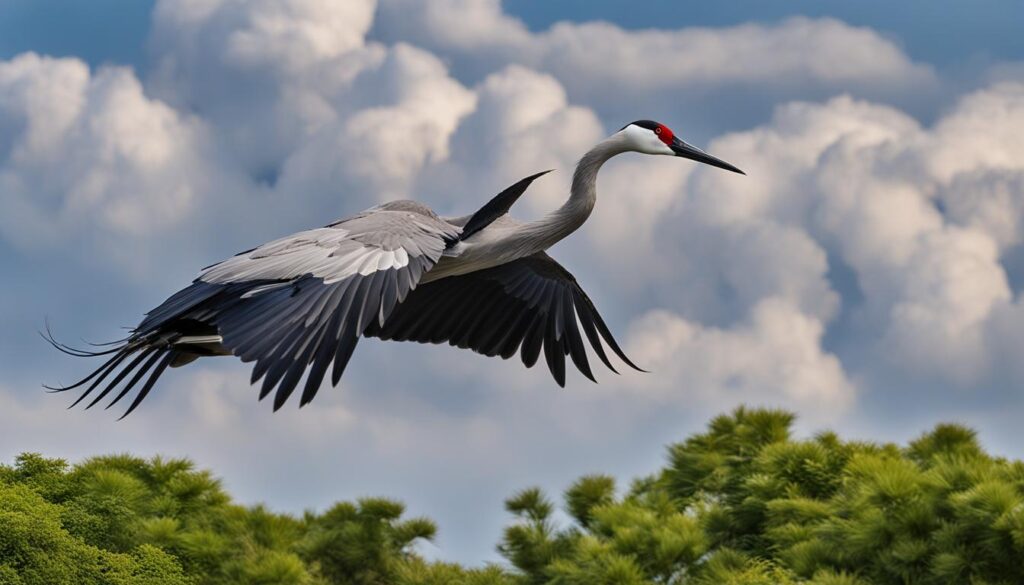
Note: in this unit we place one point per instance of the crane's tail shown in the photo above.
(150, 354)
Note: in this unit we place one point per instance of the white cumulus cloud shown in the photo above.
(90, 155)
(617, 70)
(774, 358)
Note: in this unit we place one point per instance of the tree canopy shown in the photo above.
(742, 503)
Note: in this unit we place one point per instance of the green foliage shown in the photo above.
(363, 543)
(416, 571)
(36, 549)
(588, 493)
(742, 503)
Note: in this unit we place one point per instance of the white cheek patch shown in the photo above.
(645, 141)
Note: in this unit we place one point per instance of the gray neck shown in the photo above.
(558, 224)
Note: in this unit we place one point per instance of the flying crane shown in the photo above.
(299, 305)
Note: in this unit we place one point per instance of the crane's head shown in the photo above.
(650, 137)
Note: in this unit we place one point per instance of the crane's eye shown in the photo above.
(664, 133)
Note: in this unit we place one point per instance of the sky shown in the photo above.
(865, 274)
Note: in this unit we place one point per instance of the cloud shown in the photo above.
(90, 156)
(522, 123)
(654, 70)
(324, 111)
(287, 61)
(774, 358)
(981, 133)
(376, 153)
(862, 181)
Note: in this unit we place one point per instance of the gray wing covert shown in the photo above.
(303, 301)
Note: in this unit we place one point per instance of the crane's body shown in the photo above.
(298, 305)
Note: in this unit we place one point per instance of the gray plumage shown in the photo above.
(297, 306)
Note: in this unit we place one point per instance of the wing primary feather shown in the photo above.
(324, 354)
(150, 382)
(587, 319)
(138, 376)
(117, 379)
(113, 365)
(511, 341)
(352, 289)
(607, 335)
(389, 294)
(577, 350)
(533, 341)
(253, 334)
(328, 297)
(299, 365)
(322, 359)
(292, 376)
(346, 345)
(371, 301)
(405, 284)
(558, 306)
(553, 354)
(281, 359)
(415, 268)
(270, 351)
(396, 323)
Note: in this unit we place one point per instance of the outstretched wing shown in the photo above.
(293, 304)
(315, 293)
(528, 305)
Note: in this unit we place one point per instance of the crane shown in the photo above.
(299, 305)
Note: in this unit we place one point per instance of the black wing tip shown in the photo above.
(278, 404)
(498, 205)
(622, 356)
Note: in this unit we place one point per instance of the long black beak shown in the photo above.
(693, 153)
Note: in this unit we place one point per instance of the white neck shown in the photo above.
(543, 233)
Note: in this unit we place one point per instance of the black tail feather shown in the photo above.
(145, 348)
(107, 365)
(121, 341)
(64, 348)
